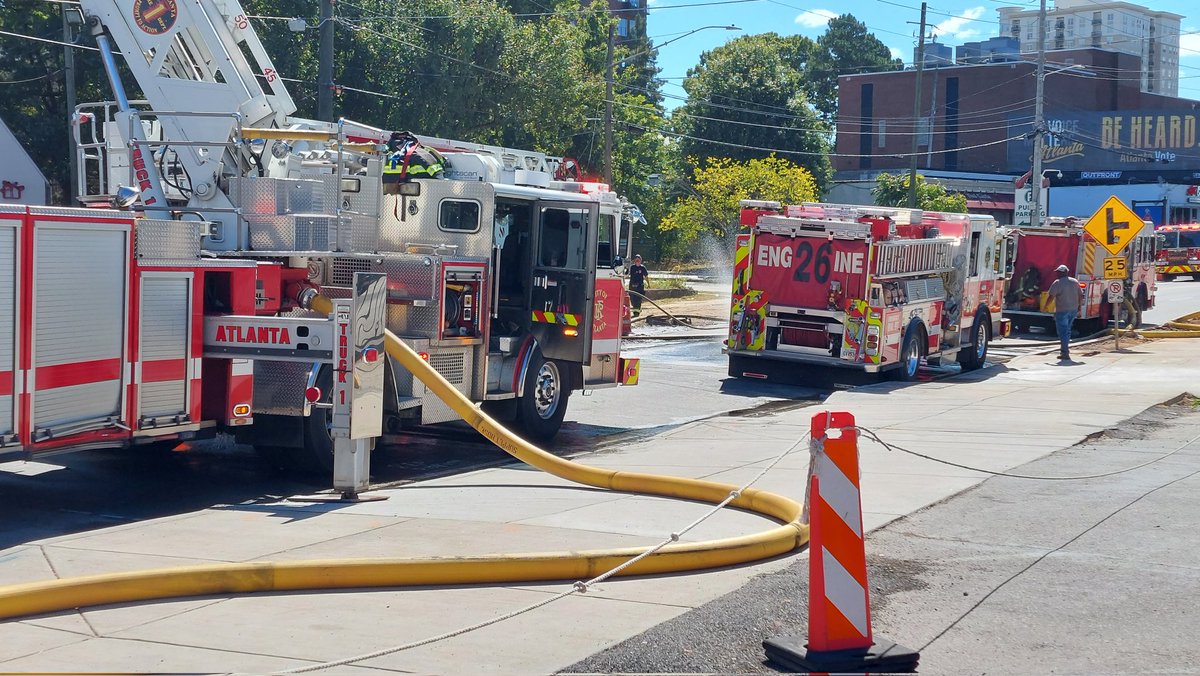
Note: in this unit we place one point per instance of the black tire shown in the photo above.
(540, 411)
(1170, 278)
(315, 457)
(911, 351)
(974, 356)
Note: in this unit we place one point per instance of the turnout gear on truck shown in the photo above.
(408, 159)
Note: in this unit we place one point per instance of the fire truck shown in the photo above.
(874, 289)
(189, 314)
(1179, 251)
(1063, 241)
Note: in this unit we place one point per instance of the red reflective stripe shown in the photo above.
(79, 373)
(164, 370)
(6, 383)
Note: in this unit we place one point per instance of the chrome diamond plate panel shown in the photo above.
(399, 226)
(279, 387)
(454, 362)
(273, 196)
(170, 240)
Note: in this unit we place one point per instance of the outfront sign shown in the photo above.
(1108, 142)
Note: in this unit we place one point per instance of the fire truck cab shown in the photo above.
(1063, 241)
(1179, 251)
(875, 289)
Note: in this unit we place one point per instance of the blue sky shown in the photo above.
(953, 23)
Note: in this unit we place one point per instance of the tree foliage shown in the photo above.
(746, 100)
(891, 190)
(846, 47)
(712, 205)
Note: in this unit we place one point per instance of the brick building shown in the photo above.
(974, 127)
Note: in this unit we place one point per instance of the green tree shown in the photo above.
(33, 85)
(846, 47)
(891, 190)
(711, 207)
(746, 100)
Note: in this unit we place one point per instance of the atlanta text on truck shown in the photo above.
(868, 288)
(189, 314)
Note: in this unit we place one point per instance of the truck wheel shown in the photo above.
(540, 411)
(315, 457)
(910, 355)
(973, 357)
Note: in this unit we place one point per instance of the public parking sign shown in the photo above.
(1114, 225)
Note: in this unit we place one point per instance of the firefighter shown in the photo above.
(408, 159)
(1068, 298)
(637, 283)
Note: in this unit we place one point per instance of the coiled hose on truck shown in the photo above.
(238, 578)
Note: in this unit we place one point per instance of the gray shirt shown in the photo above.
(1066, 294)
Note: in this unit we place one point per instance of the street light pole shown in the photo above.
(325, 63)
(1039, 122)
(69, 74)
(912, 160)
(608, 87)
(608, 106)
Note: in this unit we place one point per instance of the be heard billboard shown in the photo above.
(1102, 142)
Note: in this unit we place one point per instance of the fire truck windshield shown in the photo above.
(1181, 239)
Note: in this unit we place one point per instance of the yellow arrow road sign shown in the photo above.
(1114, 225)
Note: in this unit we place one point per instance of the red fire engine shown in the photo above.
(869, 288)
(503, 273)
(1179, 252)
(1063, 241)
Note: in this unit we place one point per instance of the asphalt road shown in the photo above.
(1173, 300)
(73, 492)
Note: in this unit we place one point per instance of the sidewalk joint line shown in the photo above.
(1041, 558)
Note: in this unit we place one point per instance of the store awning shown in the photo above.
(991, 201)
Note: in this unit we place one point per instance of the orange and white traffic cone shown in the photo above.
(839, 605)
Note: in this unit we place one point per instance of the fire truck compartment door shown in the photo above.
(564, 280)
(9, 274)
(80, 294)
(166, 328)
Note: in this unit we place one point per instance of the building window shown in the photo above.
(623, 27)
(881, 134)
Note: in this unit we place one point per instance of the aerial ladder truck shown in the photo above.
(186, 310)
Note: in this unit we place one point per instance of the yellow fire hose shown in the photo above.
(235, 578)
(1187, 326)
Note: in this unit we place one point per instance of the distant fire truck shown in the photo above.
(193, 317)
(1063, 241)
(1179, 252)
(869, 288)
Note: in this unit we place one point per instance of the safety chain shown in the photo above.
(579, 587)
(816, 446)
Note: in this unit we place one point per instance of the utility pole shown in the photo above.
(69, 73)
(912, 160)
(325, 65)
(608, 107)
(1039, 122)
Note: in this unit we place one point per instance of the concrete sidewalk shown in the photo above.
(993, 419)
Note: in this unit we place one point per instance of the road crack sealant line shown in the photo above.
(266, 576)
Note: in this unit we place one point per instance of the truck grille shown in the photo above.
(451, 365)
(342, 272)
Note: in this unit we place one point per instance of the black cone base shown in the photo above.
(883, 656)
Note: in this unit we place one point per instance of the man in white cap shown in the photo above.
(1068, 298)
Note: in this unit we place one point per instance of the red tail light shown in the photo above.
(312, 395)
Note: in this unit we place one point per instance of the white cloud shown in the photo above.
(956, 26)
(1189, 43)
(815, 18)
(899, 54)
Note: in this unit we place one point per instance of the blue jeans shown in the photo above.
(1063, 322)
